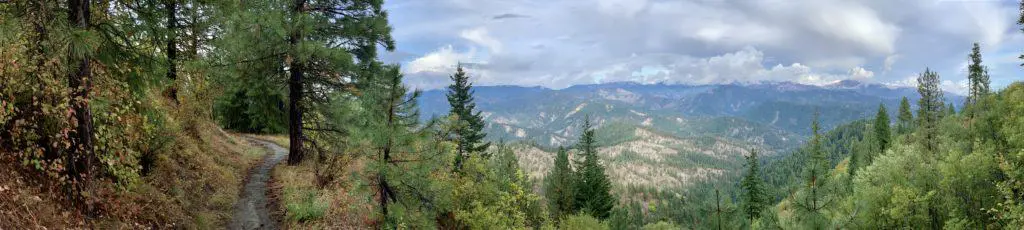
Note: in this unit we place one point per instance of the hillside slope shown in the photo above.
(770, 113)
(650, 159)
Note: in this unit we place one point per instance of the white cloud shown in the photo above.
(443, 60)
(560, 43)
(957, 87)
(861, 74)
(853, 22)
(621, 8)
(479, 36)
(889, 61)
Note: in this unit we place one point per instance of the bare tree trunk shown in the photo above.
(81, 155)
(295, 137)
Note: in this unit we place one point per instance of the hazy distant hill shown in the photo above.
(773, 113)
(667, 136)
(645, 158)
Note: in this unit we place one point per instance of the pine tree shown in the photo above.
(814, 195)
(469, 133)
(180, 26)
(978, 78)
(929, 109)
(593, 188)
(394, 119)
(906, 118)
(754, 196)
(323, 42)
(950, 109)
(253, 99)
(559, 187)
(882, 133)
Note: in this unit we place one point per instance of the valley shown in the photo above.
(670, 136)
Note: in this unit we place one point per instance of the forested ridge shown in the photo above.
(141, 114)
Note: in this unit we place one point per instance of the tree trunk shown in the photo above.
(295, 137)
(172, 47)
(81, 155)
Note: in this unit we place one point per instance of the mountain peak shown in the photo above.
(846, 84)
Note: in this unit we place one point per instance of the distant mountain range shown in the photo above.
(777, 114)
(671, 136)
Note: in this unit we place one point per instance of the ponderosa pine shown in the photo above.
(929, 110)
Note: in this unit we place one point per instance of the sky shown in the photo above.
(556, 44)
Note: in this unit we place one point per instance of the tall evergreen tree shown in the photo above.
(296, 72)
(394, 119)
(558, 186)
(814, 195)
(929, 109)
(754, 196)
(906, 118)
(977, 77)
(593, 188)
(882, 134)
(324, 42)
(469, 133)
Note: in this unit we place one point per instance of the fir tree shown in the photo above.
(469, 133)
(929, 109)
(593, 188)
(559, 186)
(882, 134)
(906, 118)
(754, 196)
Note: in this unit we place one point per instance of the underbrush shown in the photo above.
(341, 204)
(187, 174)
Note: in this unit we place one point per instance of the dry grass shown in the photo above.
(342, 204)
(650, 167)
(24, 205)
(281, 140)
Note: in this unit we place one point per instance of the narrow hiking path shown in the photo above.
(251, 211)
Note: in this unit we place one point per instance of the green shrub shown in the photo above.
(582, 222)
(661, 225)
(308, 208)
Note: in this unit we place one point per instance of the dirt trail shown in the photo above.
(251, 211)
